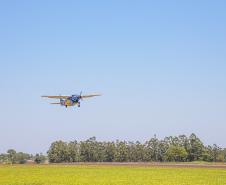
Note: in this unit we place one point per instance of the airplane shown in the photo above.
(70, 100)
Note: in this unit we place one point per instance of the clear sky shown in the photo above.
(160, 65)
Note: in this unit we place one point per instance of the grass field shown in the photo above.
(109, 175)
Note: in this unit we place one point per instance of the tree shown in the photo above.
(163, 146)
(39, 158)
(109, 151)
(4, 159)
(137, 152)
(121, 154)
(152, 150)
(206, 154)
(176, 153)
(73, 152)
(216, 154)
(195, 148)
(58, 152)
(92, 151)
(12, 155)
(181, 148)
(21, 157)
(224, 154)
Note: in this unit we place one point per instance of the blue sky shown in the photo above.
(160, 65)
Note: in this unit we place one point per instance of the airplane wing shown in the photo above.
(56, 97)
(55, 103)
(90, 95)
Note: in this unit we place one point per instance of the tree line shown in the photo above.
(180, 149)
(14, 157)
(173, 148)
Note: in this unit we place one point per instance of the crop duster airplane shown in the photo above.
(71, 100)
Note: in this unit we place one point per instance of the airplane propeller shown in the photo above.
(80, 96)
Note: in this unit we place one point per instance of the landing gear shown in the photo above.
(66, 106)
(78, 104)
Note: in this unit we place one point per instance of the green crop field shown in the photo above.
(109, 175)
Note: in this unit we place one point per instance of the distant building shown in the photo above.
(46, 161)
(29, 161)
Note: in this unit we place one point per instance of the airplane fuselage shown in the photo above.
(71, 101)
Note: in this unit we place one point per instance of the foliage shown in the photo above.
(13, 157)
(58, 152)
(40, 158)
(173, 148)
(181, 148)
(176, 153)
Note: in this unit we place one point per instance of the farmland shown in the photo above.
(110, 175)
